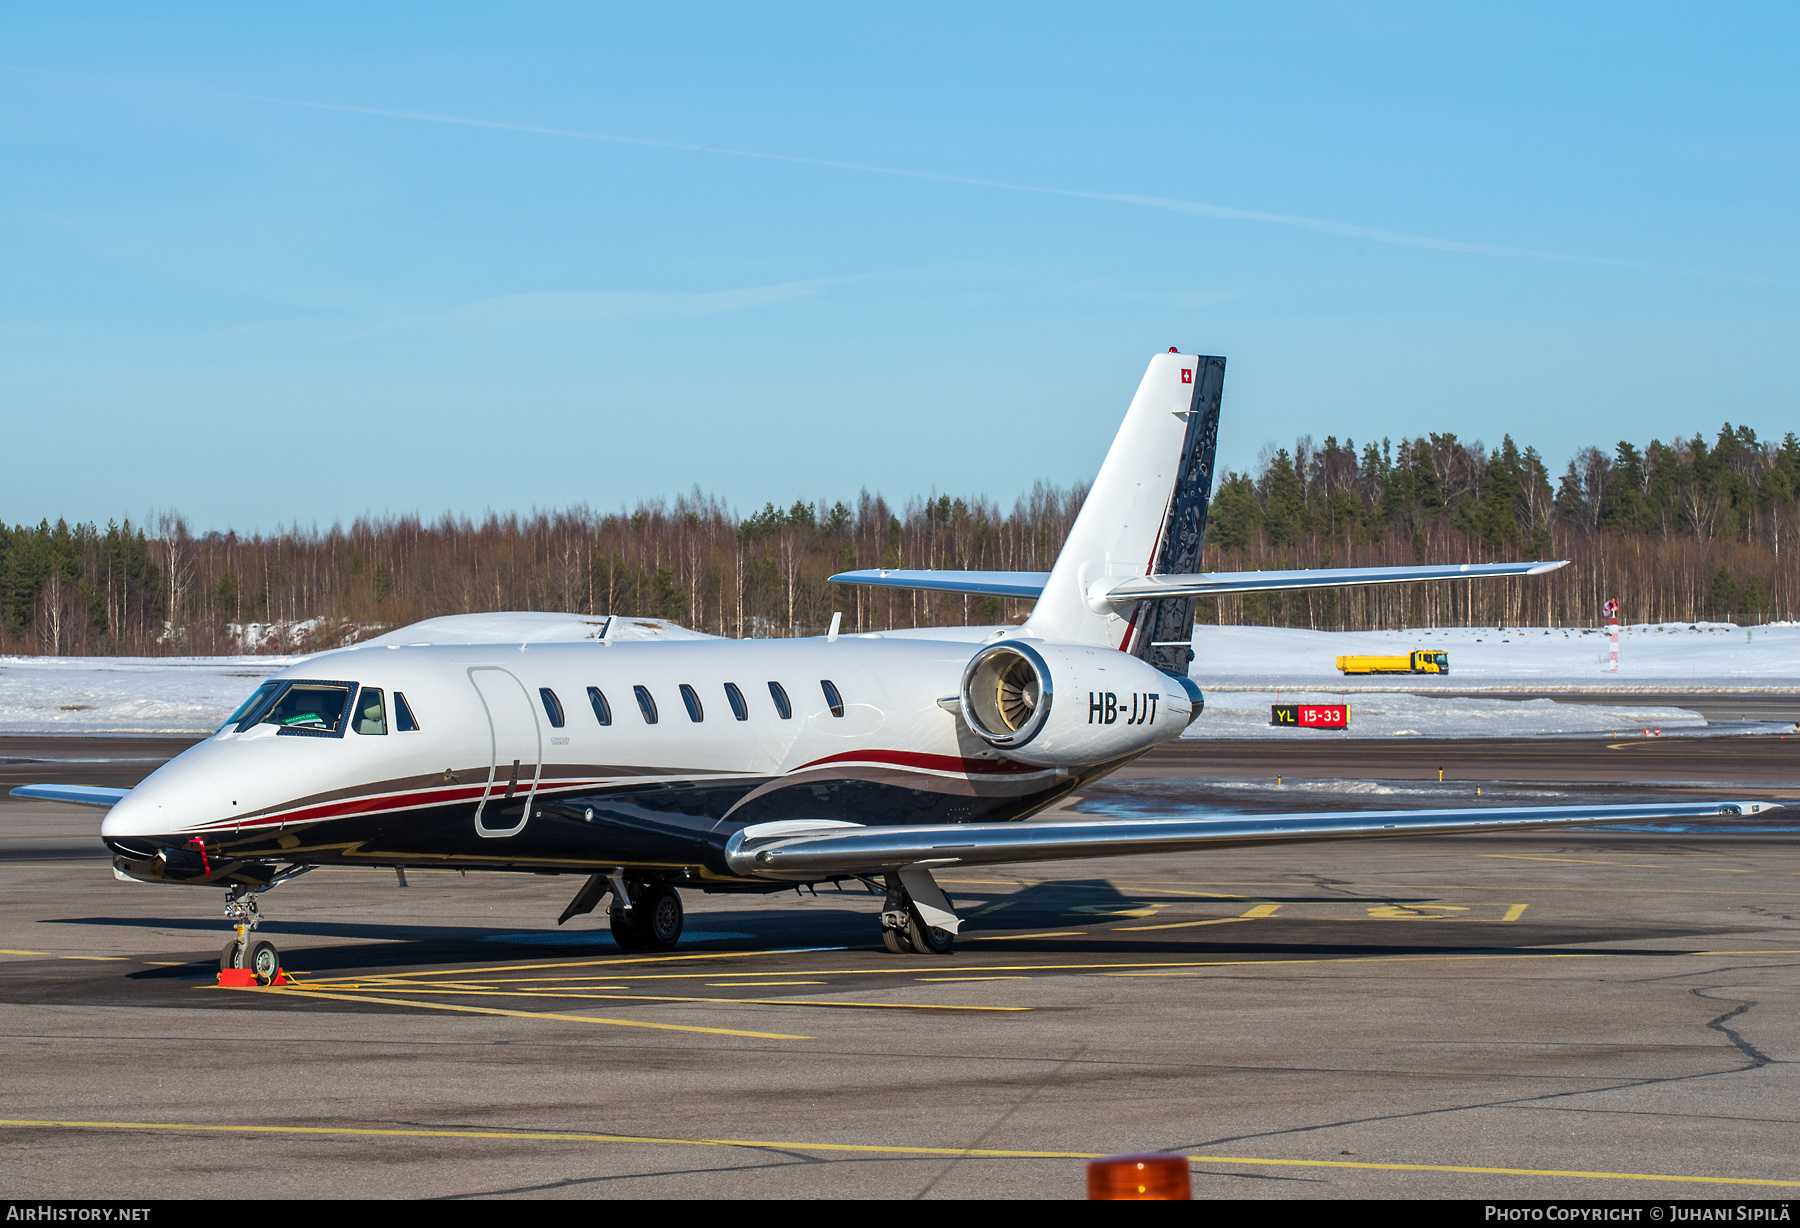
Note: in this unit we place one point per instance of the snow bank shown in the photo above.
(127, 694)
(196, 694)
(1245, 714)
(1653, 657)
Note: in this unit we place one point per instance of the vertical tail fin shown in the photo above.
(1145, 514)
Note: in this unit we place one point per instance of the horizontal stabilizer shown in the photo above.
(871, 849)
(1030, 584)
(1202, 584)
(81, 795)
(1026, 584)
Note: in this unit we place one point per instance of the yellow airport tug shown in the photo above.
(1417, 661)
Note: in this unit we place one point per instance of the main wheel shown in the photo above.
(228, 958)
(263, 959)
(624, 932)
(662, 918)
(928, 939)
(896, 941)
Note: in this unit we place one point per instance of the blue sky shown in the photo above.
(268, 267)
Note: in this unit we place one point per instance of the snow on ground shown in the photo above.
(127, 694)
(1652, 657)
(1245, 714)
(1242, 670)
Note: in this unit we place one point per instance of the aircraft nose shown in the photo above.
(172, 800)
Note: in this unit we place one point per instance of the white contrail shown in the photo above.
(1350, 230)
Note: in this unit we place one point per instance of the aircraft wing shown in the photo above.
(850, 849)
(81, 795)
(1030, 584)
(1026, 584)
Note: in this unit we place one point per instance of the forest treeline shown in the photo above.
(1681, 531)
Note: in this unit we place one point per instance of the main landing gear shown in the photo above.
(916, 917)
(644, 916)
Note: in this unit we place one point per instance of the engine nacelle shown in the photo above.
(1069, 705)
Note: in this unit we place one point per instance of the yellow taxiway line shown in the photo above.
(303, 990)
(494, 1010)
(872, 1149)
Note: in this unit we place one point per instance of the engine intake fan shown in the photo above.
(1006, 694)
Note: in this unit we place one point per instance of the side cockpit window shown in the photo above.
(251, 710)
(371, 712)
(311, 709)
(404, 720)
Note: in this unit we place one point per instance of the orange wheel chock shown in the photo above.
(1145, 1175)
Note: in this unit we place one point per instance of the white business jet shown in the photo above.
(653, 765)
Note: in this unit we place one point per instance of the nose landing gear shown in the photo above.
(241, 952)
(258, 955)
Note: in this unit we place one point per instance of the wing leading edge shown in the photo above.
(872, 849)
(81, 795)
(1030, 584)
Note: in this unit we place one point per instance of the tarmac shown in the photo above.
(1570, 1015)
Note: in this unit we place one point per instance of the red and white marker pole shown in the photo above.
(1611, 609)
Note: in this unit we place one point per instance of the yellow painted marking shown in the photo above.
(742, 984)
(993, 908)
(1180, 925)
(1001, 937)
(105, 959)
(612, 962)
(1256, 913)
(866, 1149)
(6, 952)
(1149, 974)
(645, 997)
(971, 978)
(1721, 870)
(1515, 912)
(492, 1010)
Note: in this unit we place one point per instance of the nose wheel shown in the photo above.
(258, 955)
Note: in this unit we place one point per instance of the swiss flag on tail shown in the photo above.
(1187, 375)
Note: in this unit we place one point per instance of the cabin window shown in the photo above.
(739, 708)
(833, 700)
(251, 710)
(371, 712)
(691, 700)
(602, 709)
(646, 705)
(781, 701)
(552, 706)
(315, 709)
(404, 720)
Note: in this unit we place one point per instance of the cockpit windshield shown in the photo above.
(251, 708)
(310, 708)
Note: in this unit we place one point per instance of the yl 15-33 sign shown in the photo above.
(1310, 716)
